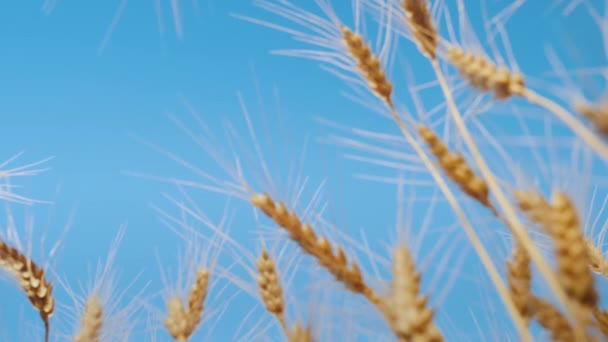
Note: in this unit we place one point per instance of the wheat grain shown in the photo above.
(421, 25)
(92, 321)
(456, 168)
(31, 278)
(411, 319)
(182, 322)
(270, 287)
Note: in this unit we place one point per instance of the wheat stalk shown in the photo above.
(182, 322)
(510, 214)
(383, 89)
(411, 319)
(92, 321)
(31, 278)
(270, 288)
(602, 319)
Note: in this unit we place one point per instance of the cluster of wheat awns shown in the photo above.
(576, 314)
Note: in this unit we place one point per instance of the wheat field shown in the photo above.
(398, 170)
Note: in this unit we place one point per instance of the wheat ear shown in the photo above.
(182, 322)
(92, 321)
(411, 319)
(456, 168)
(270, 288)
(362, 54)
(549, 317)
(300, 334)
(520, 280)
(560, 221)
(596, 114)
(484, 75)
(422, 26)
(510, 214)
(335, 263)
(31, 278)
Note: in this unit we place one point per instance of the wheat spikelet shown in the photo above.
(551, 319)
(520, 280)
(182, 322)
(92, 321)
(300, 334)
(368, 64)
(335, 262)
(596, 114)
(411, 319)
(421, 24)
(270, 287)
(483, 74)
(597, 262)
(31, 278)
(560, 221)
(456, 168)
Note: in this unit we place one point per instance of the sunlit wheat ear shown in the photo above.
(92, 321)
(456, 168)
(411, 319)
(597, 114)
(270, 288)
(33, 282)
(550, 318)
(421, 24)
(483, 74)
(335, 262)
(368, 64)
(300, 334)
(560, 221)
(181, 322)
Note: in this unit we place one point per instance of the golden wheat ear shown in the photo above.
(270, 288)
(32, 280)
(520, 280)
(410, 318)
(181, 322)
(92, 321)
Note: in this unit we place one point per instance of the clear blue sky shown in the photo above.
(60, 95)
